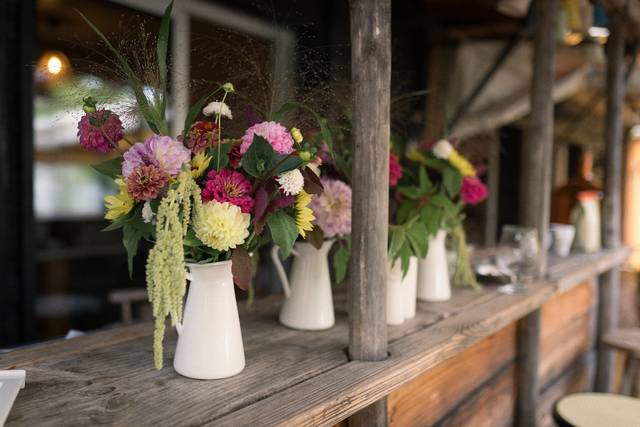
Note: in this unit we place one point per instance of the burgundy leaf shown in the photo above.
(241, 268)
(315, 237)
(312, 184)
(261, 201)
(282, 201)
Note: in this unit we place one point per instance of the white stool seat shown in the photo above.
(598, 410)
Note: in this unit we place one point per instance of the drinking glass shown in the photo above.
(517, 253)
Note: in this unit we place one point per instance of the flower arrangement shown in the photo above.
(446, 183)
(199, 197)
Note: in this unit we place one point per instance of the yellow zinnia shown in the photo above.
(118, 205)
(304, 214)
(463, 165)
(199, 164)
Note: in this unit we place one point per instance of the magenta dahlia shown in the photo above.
(100, 131)
(395, 170)
(275, 134)
(228, 186)
(473, 191)
(146, 182)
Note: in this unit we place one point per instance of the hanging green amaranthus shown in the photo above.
(463, 274)
(166, 272)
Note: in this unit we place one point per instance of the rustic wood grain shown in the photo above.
(492, 406)
(292, 377)
(425, 400)
(612, 207)
(370, 77)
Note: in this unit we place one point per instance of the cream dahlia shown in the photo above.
(291, 182)
(221, 226)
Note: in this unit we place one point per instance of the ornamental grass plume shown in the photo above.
(229, 186)
(332, 208)
(275, 134)
(100, 131)
(166, 274)
(304, 214)
(221, 226)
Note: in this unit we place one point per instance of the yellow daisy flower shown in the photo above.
(120, 204)
(199, 164)
(304, 214)
(463, 165)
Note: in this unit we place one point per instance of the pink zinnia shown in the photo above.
(275, 134)
(395, 170)
(146, 182)
(162, 151)
(228, 186)
(473, 191)
(332, 208)
(100, 131)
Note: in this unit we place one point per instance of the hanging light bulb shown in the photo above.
(52, 66)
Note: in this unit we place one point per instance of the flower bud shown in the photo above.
(305, 155)
(228, 87)
(297, 135)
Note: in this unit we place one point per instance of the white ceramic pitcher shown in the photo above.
(308, 304)
(433, 271)
(209, 338)
(401, 292)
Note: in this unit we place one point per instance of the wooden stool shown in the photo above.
(627, 341)
(597, 410)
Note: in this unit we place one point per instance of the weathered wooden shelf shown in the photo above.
(292, 377)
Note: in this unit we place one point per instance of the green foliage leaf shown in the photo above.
(223, 151)
(259, 158)
(418, 237)
(286, 163)
(414, 193)
(431, 216)
(398, 238)
(315, 237)
(452, 180)
(162, 48)
(312, 183)
(111, 168)
(283, 231)
(405, 258)
(341, 262)
(425, 182)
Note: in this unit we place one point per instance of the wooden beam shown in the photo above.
(371, 76)
(17, 41)
(611, 214)
(535, 195)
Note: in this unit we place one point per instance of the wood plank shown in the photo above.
(292, 377)
(338, 393)
(612, 205)
(492, 406)
(425, 399)
(578, 377)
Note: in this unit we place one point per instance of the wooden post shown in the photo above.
(371, 79)
(17, 41)
(611, 214)
(535, 195)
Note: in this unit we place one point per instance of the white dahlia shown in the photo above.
(217, 107)
(221, 226)
(291, 182)
(443, 149)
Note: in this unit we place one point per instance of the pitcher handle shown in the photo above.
(179, 324)
(275, 257)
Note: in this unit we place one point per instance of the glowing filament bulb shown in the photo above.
(54, 65)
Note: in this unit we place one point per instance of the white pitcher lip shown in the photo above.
(209, 264)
